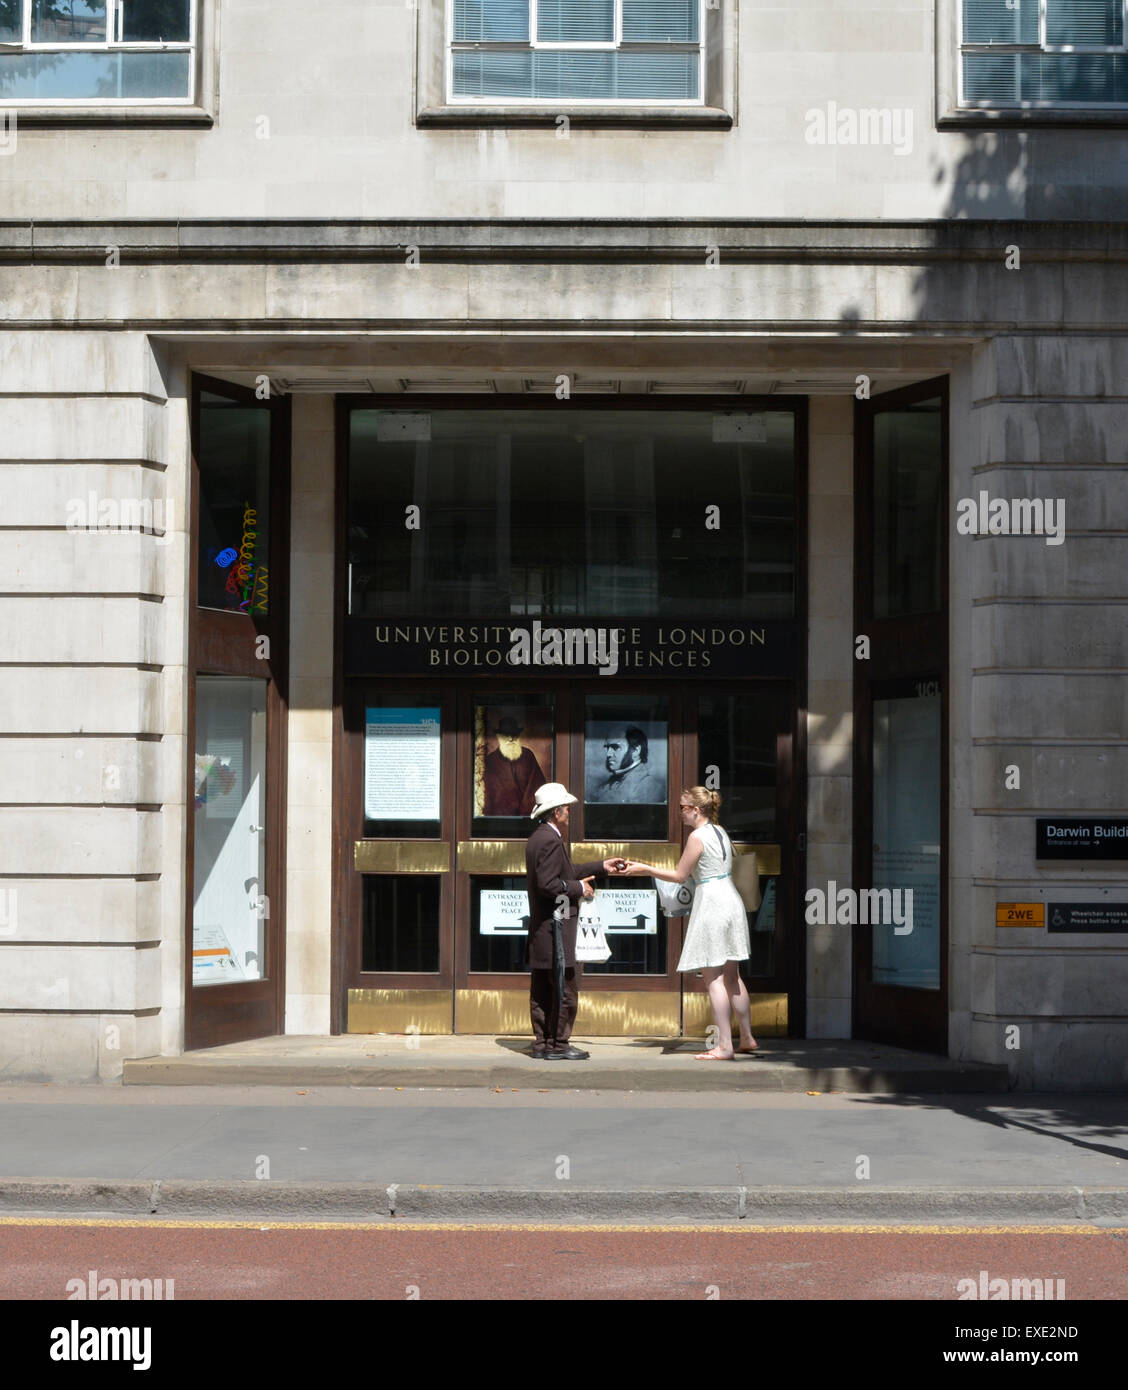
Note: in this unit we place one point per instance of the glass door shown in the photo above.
(740, 743)
(236, 715)
(900, 717)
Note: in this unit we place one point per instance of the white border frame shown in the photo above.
(471, 103)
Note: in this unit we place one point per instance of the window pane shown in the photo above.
(992, 77)
(1000, 21)
(575, 21)
(583, 76)
(233, 556)
(633, 952)
(161, 21)
(1084, 21)
(660, 20)
(11, 28)
(400, 930)
(622, 546)
(736, 735)
(493, 74)
(122, 76)
(68, 21)
(491, 19)
(657, 75)
(591, 75)
(906, 839)
(499, 923)
(230, 908)
(907, 522)
(1075, 77)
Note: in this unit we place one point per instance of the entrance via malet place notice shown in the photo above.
(610, 598)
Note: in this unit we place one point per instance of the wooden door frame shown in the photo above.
(220, 643)
(913, 647)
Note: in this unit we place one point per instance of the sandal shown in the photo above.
(749, 1050)
(713, 1056)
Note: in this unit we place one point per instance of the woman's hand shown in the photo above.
(635, 869)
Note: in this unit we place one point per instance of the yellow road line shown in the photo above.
(573, 1228)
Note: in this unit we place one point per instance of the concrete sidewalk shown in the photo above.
(621, 1064)
(267, 1153)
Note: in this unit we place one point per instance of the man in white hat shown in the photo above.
(555, 886)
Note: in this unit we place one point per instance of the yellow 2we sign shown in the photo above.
(1020, 914)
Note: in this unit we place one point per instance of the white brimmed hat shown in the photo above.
(548, 797)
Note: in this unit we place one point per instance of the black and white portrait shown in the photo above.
(625, 762)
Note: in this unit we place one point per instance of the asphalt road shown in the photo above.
(394, 1261)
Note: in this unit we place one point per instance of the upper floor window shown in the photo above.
(604, 52)
(1044, 52)
(97, 52)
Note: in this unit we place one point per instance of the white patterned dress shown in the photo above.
(718, 922)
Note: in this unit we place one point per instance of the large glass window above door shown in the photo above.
(626, 513)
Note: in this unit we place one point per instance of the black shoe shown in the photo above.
(538, 1050)
(568, 1053)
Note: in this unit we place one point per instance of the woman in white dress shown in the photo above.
(717, 936)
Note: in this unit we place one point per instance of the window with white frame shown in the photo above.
(97, 52)
(594, 52)
(1031, 53)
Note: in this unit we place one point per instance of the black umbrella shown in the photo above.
(558, 964)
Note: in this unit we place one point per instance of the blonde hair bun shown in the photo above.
(707, 801)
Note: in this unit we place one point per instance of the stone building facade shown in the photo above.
(318, 222)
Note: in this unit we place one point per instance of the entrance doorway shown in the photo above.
(438, 784)
(663, 544)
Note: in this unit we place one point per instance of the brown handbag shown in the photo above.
(745, 872)
(746, 878)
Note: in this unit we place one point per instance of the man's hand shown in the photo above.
(614, 866)
(589, 891)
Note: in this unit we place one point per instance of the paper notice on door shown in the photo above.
(401, 764)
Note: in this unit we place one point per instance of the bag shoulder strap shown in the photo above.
(722, 840)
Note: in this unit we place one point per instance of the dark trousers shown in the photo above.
(553, 1025)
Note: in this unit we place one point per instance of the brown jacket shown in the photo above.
(551, 873)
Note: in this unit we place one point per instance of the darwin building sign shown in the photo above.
(1072, 837)
(570, 647)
